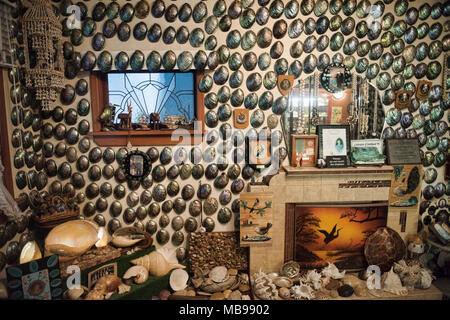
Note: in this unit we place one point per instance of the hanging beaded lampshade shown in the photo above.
(42, 35)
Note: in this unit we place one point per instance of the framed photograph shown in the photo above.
(258, 152)
(256, 218)
(336, 78)
(304, 150)
(334, 140)
(423, 89)
(137, 165)
(367, 152)
(35, 280)
(403, 99)
(403, 151)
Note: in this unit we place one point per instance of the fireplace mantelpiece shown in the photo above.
(313, 185)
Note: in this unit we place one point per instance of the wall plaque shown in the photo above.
(403, 151)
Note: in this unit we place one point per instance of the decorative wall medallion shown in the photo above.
(403, 99)
(285, 83)
(335, 78)
(137, 165)
(423, 89)
(241, 118)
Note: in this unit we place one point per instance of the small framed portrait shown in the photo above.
(258, 152)
(241, 118)
(336, 78)
(423, 89)
(403, 99)
(304, 150)
(136, 165)
(334, 144)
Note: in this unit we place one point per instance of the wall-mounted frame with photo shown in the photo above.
(137, 165)
(304, 150)
(423, 89)
(336, 78)
(334, 144)
(258, 152)
(403, 99)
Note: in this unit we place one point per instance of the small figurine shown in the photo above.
(299, 159)
(415, 247)
(155, 120)
(107, 117)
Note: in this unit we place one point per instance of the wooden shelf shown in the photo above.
(293, 171)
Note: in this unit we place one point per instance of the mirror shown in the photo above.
(334, 96)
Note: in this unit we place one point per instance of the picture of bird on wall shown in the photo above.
(255, 218)
(335, 234)
(405, 186)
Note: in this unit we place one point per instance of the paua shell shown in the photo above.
(225, 23)
(209, 224)
(203, 191)
(422, 30)
(169, 35)
(158, 8)
(124, 31)
(185, 12)
(88, 61)
(211, 24)
(276, 9)
(309, 26)
(310, 63)
(264, 38)
(276, 50)
(434, 70)
(171, 13)
(169, 60)
(336, 41)
(295, 28)
(113, 225)
(200, 12)
(435, 49)
(159, 193)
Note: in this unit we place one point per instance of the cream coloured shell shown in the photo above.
(73, 238)
(138, 273)
(156, 263)
(218, 274)
(178, 279)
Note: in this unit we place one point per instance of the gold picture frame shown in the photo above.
(304, 149)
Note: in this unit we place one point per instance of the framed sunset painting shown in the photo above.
(335, 234)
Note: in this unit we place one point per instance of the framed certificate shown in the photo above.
(334, 144)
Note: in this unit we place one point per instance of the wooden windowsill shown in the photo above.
(141, 138)
(293, 171)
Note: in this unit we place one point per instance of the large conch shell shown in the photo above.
(159, 262)
(73, 238)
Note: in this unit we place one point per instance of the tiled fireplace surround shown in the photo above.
(323, 186)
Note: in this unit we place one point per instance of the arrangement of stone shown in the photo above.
(330, 283)
(208, 250)
(218, 283)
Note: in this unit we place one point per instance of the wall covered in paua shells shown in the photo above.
(242, 46)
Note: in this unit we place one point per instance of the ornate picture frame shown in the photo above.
(304, 147)
(258, 152)
(336, 78)
(136, 165)
(423, 89)
(403, 99)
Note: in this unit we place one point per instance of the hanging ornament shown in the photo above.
(42, 34)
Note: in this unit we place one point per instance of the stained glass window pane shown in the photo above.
(169, 94)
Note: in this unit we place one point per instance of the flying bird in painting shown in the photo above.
(263, 230)
(330, 236)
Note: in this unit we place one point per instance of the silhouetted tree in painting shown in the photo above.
(372, 214)
(306, 225)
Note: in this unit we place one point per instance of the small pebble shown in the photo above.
(333, 284)
(345, 291)
(217, 296)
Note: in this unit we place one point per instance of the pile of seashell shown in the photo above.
(219, 283)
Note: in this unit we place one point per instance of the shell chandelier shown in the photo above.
(43, 52)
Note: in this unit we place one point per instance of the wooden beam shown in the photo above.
(4, 137)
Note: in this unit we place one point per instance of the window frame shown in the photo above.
(100, 98)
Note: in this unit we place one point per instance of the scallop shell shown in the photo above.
(178, 279)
